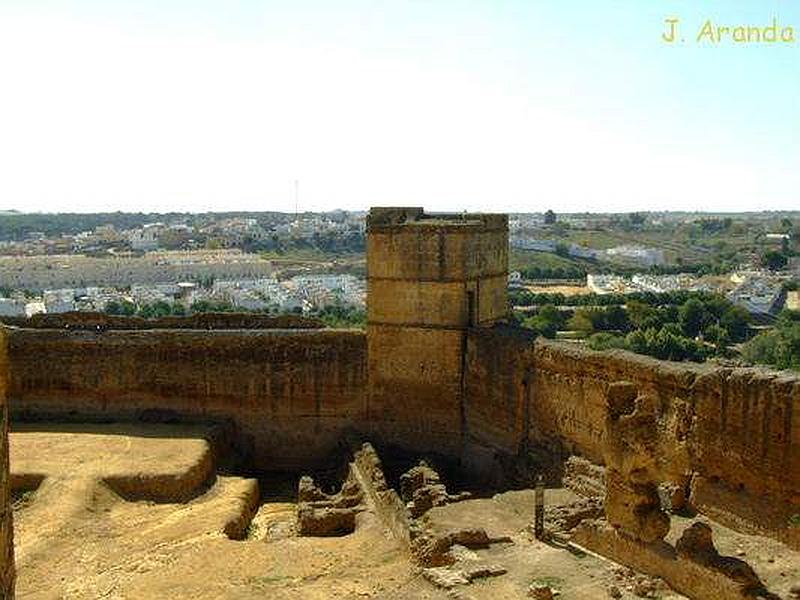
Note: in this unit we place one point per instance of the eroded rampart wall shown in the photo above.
(291, 394)
(6, 529)
(731, 436)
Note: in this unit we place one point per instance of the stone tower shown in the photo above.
(430, 277)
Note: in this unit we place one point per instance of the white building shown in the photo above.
(59, 301)
(146, 238)
(34, 308)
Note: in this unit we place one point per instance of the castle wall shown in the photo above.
(731, 436)
(6, 529)
(291, 394)
(499, 368)
(415, 387)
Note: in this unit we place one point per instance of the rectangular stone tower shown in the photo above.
(430, 277)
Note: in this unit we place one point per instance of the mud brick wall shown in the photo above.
(291, 394)
(730, 435)
(384, 500)
(499, 384)
(6, 528)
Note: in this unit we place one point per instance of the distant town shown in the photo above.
(154, 265)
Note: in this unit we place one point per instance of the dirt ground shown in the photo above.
(76, 537)
(567, 290)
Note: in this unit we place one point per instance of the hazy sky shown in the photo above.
(159, 105)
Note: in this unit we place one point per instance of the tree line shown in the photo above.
(336, 315)
(672, 326)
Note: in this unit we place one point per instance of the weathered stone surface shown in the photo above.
(433, 550)
(564, 518)
(540, 592)
(321, 514)
(632, 502)
(422, 489)
(384, 501)
(93, 321)
(635, 508)
(694, 568)
(481, 570)
(308, 491)
(430, 277)
(444, 577)
(325, 521)
(450, 577)
(584, 477)
(724, 438)
(696, 544)
(290, 394)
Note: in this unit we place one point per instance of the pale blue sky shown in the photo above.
(494, 105)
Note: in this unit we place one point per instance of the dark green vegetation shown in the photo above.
(543, 265)
(527, 298)
(340, 316)
(778, 347)
(336, 315)
(774, 260)
(674, 326)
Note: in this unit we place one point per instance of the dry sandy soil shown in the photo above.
(141, 512)
(567, 290)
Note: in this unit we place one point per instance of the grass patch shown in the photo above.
(521, 259)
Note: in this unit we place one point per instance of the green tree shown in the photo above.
(155, 310)
(546, 322)
(616, 319)
(549, 217)
(582, 321)
(642, 316)
(665, 344)
(718, 336)
(342, 316)
(736, 322)
(123, 308)
(606, 341)
(774, 260)
(779, 347)
(693, 317)
(203, 306)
